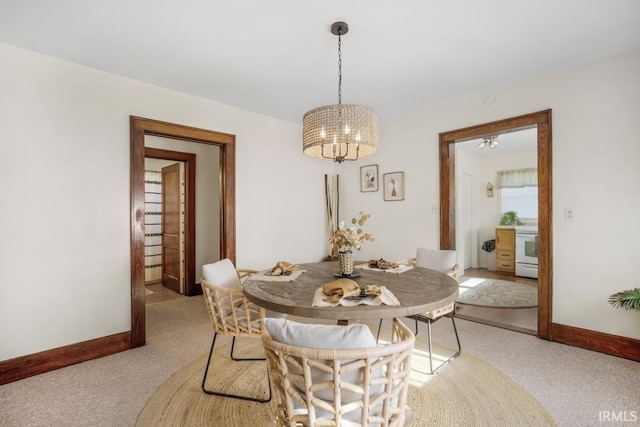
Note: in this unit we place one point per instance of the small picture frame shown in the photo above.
(369, 178)
(393, 186)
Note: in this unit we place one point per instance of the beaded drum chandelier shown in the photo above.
(341, 131)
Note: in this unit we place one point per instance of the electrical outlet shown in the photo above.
(569, 214)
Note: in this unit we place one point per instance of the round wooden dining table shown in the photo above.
(418, 290)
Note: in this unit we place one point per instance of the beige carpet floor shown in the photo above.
(468, 392)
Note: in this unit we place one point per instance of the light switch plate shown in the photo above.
(569, 214)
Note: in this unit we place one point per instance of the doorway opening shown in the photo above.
(201, 239)
(166, 217)
(164, 269)
(224, 221)
(494, 179)
(450, 207)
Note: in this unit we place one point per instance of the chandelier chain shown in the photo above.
(339, 67)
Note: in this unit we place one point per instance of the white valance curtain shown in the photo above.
(518, 178)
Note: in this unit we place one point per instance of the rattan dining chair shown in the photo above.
(444, 261)
(350, 381)
(231, 314)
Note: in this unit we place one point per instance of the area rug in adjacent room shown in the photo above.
(496, 293)
(467, 392)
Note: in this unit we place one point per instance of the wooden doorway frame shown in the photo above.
(542, 119)
(139, 128)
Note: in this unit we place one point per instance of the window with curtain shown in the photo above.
(519, 192)
(518, 178)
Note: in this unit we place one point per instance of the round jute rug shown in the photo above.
(496, 293)
(467, 392)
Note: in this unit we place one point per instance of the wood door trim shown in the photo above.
(189, 160)
(139, 128)
(447, 197)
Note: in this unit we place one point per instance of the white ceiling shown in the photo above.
(278, 57)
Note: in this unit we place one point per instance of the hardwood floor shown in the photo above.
(160, 294)
(517, 319)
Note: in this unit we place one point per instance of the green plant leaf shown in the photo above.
(510, 218)
(629, 299)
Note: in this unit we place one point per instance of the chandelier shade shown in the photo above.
(341, 131)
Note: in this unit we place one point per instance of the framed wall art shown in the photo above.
(394, 186)
(369, 178)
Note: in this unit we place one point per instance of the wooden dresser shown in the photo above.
(506, 250)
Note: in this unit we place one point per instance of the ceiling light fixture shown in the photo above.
(491, 142)
(341, 131)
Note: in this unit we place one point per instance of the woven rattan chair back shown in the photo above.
(231, 315)
(303, 377)
(230, 312)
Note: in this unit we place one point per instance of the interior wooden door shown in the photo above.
(171, 221)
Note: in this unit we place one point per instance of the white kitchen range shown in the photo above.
(526, 251)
